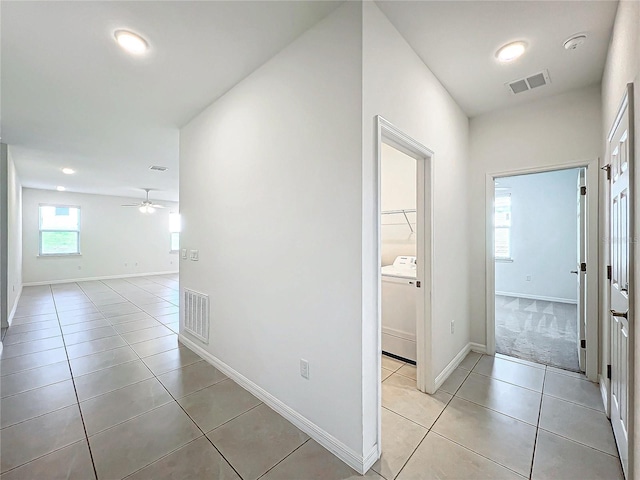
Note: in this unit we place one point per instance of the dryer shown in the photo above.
(399, 307)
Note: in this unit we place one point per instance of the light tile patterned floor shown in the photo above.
(94, 382)
(495, 418)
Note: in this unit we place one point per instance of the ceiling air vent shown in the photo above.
(158, 168)
(534, 81)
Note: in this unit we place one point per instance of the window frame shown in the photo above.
(508, 228)
(174, 232)
(40, 230)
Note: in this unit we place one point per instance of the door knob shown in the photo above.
(619, 314)
(574, 271)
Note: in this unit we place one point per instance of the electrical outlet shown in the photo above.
(453, 322)
(304, 368)
(528, 278)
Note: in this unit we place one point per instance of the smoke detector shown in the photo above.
(575, 41)
(529, 83)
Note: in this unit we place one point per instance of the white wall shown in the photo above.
(10, 236)
(622, 67)
(543, 236)
(554, 131)
(398, 86)
(114, 240)
(277, 162)
(398, 192)
(14, 224)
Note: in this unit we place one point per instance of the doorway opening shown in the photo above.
(542, 270)
(405, 253)
(539, 222)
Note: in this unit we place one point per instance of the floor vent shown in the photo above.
(529, 83)
(196, 314)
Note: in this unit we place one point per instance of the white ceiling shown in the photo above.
(72, 98)
(458, 41)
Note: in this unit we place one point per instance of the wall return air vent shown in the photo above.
(196, 314)
(529, 83)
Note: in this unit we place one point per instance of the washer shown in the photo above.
(399, 307)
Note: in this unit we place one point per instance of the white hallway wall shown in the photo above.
(623, 66)
(114, 240)
(543, 236)
(14, 231)
(398, 86)
(277, 160)
(554, 131)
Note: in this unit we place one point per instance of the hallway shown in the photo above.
(94, 381)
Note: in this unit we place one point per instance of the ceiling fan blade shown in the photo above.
(131, 205)
(157, 206)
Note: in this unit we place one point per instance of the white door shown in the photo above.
(619, 205)
(581, 272)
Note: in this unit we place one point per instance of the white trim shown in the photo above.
(604, 392)
(537, 297)
(399, 334)
(453, 364)
(478, 348)
(593, 270)
(343, 452)
(91, 279)
(15, 307)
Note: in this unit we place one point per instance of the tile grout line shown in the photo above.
(185, 412)
(285, 457)
(75, 390)
(430, 429)
(535, 441)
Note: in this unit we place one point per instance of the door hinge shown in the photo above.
(583, 344)
(607, 168)
(583, 267)
(418, 284)
(609, 372)
(608, 272)
(583, 190)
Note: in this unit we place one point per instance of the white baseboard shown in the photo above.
(92, 279)
(537, 297)
(604, 392)
(15, 306)
(478, 348)
(453, 364)
(358, 462)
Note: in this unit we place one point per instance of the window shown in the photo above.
(174, 230)
(59, 230)
(502, 219)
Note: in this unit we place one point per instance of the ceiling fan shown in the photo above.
(146, 206)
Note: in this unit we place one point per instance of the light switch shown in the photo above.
(183, 253)
(193, 254)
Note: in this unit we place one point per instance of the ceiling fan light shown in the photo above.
(150, 209)
(143, 209)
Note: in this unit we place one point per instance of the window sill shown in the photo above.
(504, 260)
(58, 255)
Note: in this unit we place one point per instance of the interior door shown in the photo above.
(619, 205)
(581, 272)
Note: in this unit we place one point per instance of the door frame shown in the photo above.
(593, 267)
(390, 134)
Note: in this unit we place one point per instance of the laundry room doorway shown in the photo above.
(404, 239)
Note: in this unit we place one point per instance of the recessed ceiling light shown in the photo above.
(511, 51)
(60, 189)
(68, 171)
(131, 42)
